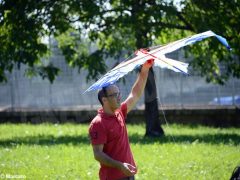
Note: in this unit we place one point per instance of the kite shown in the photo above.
(160, 60)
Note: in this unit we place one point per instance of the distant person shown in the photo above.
(108, 131)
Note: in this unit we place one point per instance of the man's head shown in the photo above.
(110, 97)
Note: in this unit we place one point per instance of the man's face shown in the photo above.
(113, 97)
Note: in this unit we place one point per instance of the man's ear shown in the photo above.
(104, 99)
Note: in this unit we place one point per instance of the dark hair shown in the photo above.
(102, 93)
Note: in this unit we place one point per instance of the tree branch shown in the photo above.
(168, 25)
(188, 25)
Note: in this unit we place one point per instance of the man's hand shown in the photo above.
(148, 64)
(128, 169)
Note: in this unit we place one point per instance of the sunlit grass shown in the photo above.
(49, 151)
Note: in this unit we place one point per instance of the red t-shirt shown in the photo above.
(111, 131)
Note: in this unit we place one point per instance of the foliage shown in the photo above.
(114, 28)
(23, 26)
(77, 53)
(212, 60)
(63, 151)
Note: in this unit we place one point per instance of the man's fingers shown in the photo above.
(129, 170)
(131, 166)
(150, 61)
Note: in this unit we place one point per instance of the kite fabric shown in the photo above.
(160, 60)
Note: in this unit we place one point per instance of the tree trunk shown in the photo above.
(153, 126)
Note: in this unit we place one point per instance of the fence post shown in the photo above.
(181, 90)
(233, 92)
(50, 95)
(12, 91)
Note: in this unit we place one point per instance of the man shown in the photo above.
(108, 131)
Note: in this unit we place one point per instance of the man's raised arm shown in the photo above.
(139, 85)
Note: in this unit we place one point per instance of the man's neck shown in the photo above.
(108, 111)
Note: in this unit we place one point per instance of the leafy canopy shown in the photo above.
(88, 32)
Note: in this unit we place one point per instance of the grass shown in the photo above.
(53, 151)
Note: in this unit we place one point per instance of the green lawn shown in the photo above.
(49, 151)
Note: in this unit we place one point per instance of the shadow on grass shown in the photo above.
(45, 140)
(228, 139)
(49, 140)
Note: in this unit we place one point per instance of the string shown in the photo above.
(165, 119)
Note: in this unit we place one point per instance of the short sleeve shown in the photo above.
(124, 109)
(97, 133)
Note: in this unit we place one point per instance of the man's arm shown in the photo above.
(103, 158)
(138, 86)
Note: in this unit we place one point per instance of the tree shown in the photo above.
(212, 60)
(123, 26)
(23, 25)
(117, 27)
